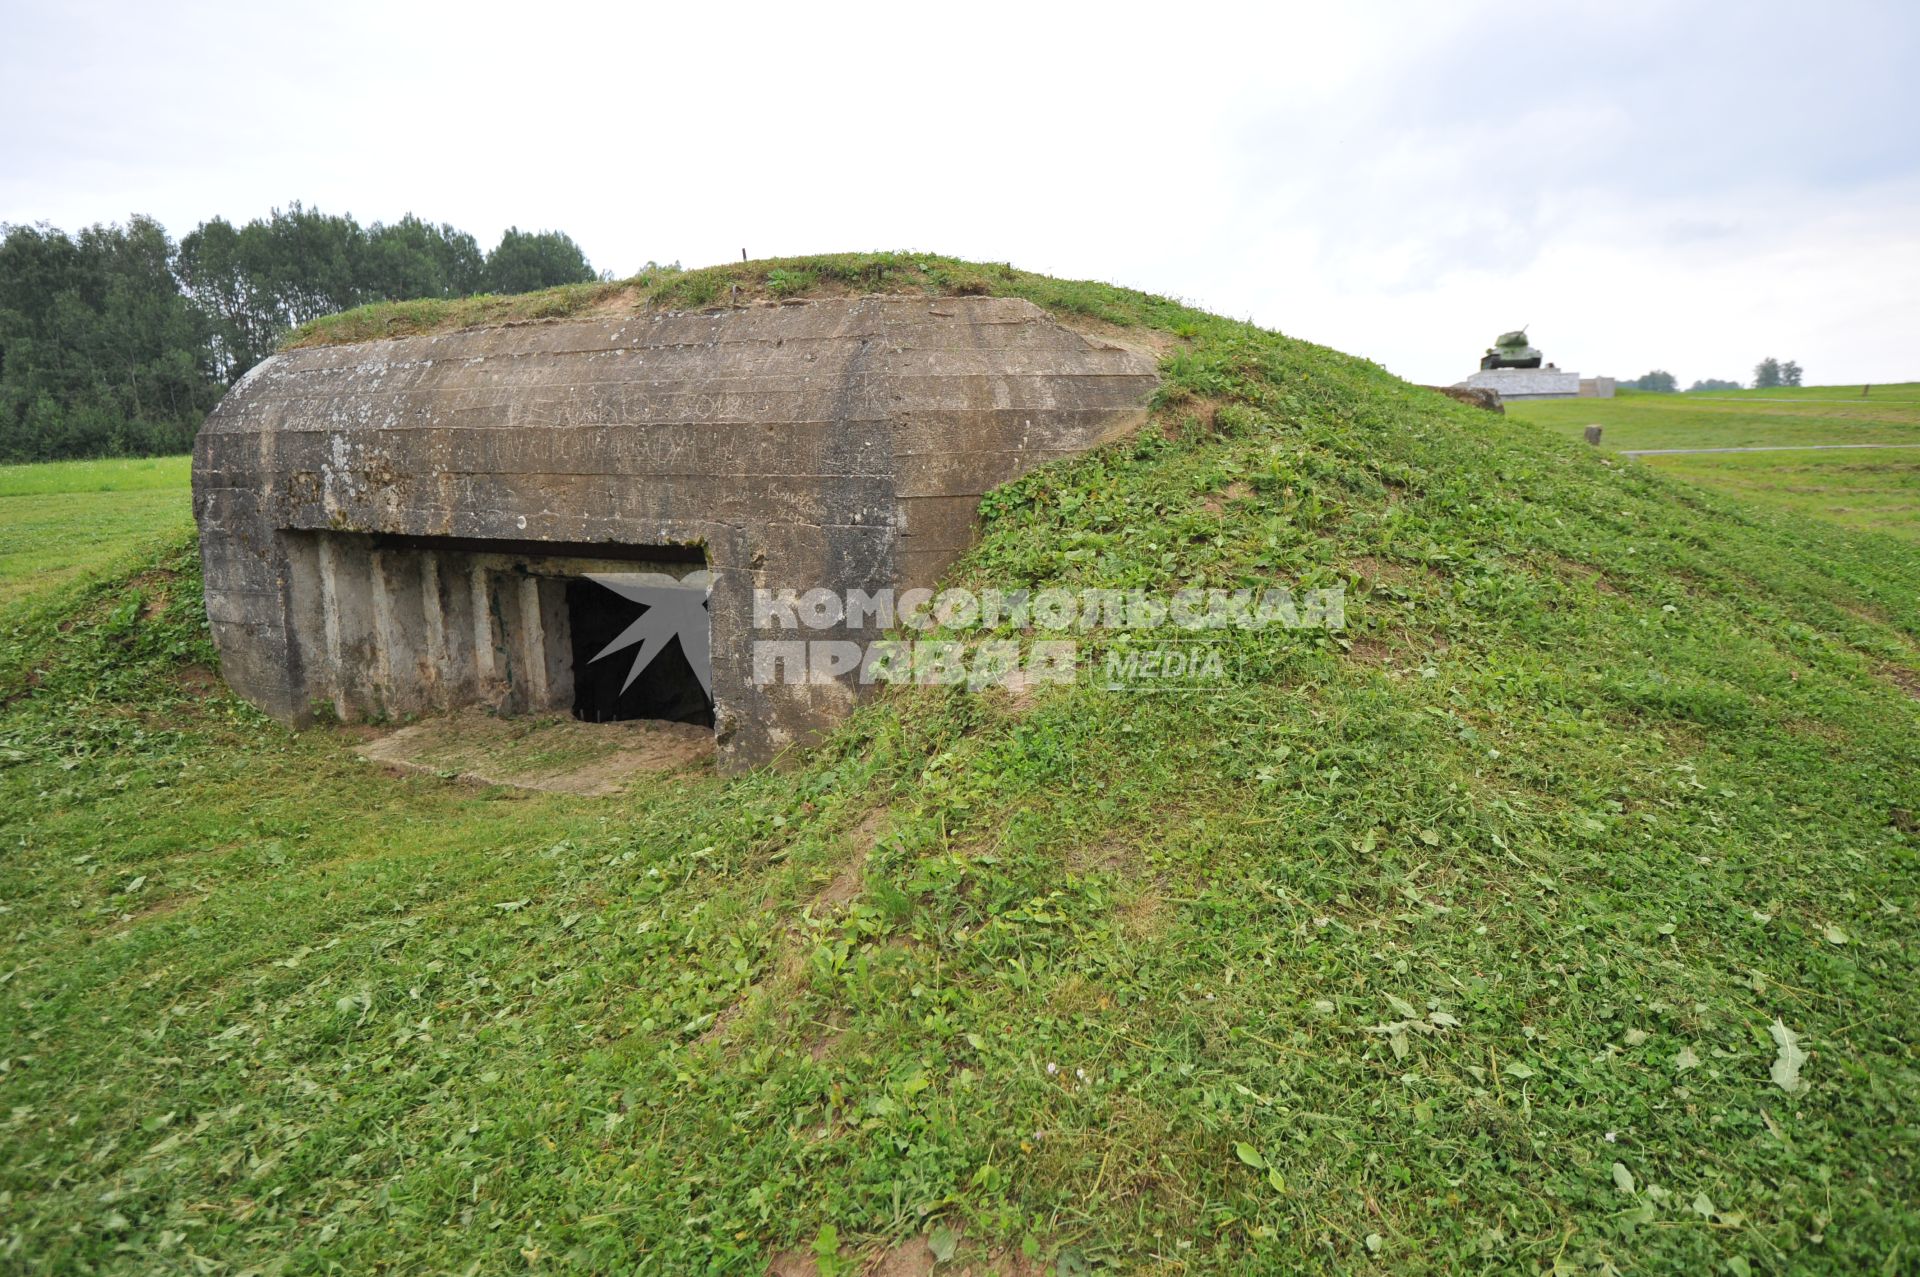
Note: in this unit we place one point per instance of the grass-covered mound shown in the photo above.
(743, 284)
(1468, 937)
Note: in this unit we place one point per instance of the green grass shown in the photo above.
(1735, 418)
(1877, 491)
(1872, 491)
(63, 519)
(1449, 942)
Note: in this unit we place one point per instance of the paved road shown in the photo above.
(1774, 447)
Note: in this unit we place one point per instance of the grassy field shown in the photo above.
(1876, 490)
(64, 519)
(1562, 914)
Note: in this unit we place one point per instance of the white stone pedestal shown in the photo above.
(1526, 383)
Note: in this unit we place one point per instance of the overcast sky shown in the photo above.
(1683, 186)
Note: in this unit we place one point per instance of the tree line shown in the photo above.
(1768, 374)
(116, 341)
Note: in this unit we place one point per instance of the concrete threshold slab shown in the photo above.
(558, 755)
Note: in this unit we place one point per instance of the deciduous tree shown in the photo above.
(526, 260)
(116, 341)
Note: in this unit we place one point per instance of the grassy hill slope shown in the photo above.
(1466, 938)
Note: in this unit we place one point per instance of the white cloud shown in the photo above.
(1688, 186)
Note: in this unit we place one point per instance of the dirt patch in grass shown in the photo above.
(1017, 692)
(550, 755)
(912, 1258)
(841, 890)
(159, 908)
(159, 577)
(776, 990)
(1397, 650)
(723, 1021)
(824, 1042)
(1155, 343)
(1188, 416)
(1570, 570)
(1817, 730)
(29, 683)
(1143, 914)
(788, 966)
(1903, 678)
(1218, 502)
(1105, 858)
(197, 681)
(1370, 651)
(1140, 896)
(1373, 572)
(848, 879)
(1870, 613)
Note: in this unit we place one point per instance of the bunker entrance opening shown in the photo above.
(629, 662)
(392, 626)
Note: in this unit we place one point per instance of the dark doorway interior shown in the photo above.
(665, 689)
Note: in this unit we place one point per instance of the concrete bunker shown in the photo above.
(396, 527)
